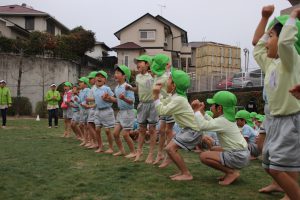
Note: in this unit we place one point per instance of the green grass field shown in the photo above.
(36, 163)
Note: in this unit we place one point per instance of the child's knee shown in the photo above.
(274, 172)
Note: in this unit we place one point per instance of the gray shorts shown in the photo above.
(187, 138)
(235, 159)
(147, 113)
(253, 149)
(265, 125)
(126, 119)
(76, 116)
(105, 118)
(67, 113)
(83, 116)
(91, 115)
(167, 119)
(282, 143)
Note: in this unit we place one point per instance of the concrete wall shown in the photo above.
(38, 73)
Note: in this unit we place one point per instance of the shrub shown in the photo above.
(41, 109)
(21, 106)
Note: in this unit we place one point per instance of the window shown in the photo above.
(183, 62)
(147, 35)
(230, 56)
(29, 23)
(50, 27)
(222, 55)
(126, 60)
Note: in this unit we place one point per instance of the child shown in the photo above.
(83, 85)
(76, 112)
(91, 112)
(104, 114)
(67, 110)
(125, 117)
(178, 107)
(160, 67)
(147, 115)
(233, 154)
(242, 120)
(277, 53)
(52, 98)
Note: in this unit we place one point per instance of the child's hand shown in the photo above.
(295, 91)
(157, 88)
(196, 105)
(128, 87)
(122, 96)
(296, 13)
(267, 11)
(105, 97)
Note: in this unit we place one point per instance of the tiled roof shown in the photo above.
(16, 9)
(128, 45)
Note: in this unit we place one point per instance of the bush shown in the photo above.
(41, 109)
(22, 104)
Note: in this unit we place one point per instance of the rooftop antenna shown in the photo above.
(161, 8)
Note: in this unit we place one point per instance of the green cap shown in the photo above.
(209, 113)
(159, 63)
(253, 114)
(228, 101)
(103, 73)
(85, 80)
(92, 74)
(244, 114)
(67, 83)
(282, 20)
(125, 70)
(181, 80)
(145, 58)
(261, 118)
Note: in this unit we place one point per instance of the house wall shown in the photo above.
(132, 33)
(5, 31)
(132, 54)
(96, 52)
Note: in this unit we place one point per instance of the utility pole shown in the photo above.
(161, 8)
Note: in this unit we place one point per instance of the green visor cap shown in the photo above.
(261, 118)
(103, 73)
(145, 58)
(85, 80)
(228, 101)
(244, 114)
(92, 74)
(68, 84)
(181, 80)
(253, 114)
(282, 20)
(125, 70)
(209, 113)
(159, 63)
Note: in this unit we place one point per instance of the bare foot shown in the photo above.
(221, 178)
(230, 178)
(253, 158)
(119, 153)
(94, 146)
(174, 175)
(131, 155)
(183, 177)
(159, 157)
(271, 188)
(109, 151)
(138, 156)
(285, 197)
(100, 150)
(166, 163)
(87, 144)
(149, 159)
(82, 143)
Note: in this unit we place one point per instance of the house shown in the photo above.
(99, 51)
(22, 18)
(152, 35)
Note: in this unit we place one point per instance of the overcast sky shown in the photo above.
(225, 21)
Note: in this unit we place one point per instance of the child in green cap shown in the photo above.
(233, 153)
(146, 115)
(76, 112)
(178, 107)
(52, 98)
(125, 117)
(244, 121)
(84, 91)
(67, 110)
(160, 67)
(277, 54)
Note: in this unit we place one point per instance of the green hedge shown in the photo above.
(244, 95)
(22, 104)
(41, 109)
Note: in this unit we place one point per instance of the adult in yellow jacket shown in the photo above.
(5, 101)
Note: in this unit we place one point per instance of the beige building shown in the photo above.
(28, 19)
(151, 35)
(99, 51)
